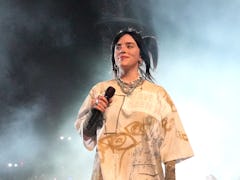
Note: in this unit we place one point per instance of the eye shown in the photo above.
(135, 128)
(122, 141)
(118, 47)
(130, 46)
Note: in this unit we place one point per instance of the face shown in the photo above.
(127, 53)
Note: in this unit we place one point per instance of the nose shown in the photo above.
(122, 50)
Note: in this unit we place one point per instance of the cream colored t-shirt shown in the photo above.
(140, 132)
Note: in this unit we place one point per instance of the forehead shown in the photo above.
(126, 38)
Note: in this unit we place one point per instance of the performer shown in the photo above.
(138, 129)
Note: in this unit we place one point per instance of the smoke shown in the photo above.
(199, 66)
(198, 24)
(21, 144)
(19, 130)
(46, 65)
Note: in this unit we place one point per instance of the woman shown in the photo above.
(138, 129)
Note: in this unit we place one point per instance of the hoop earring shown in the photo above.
(140, 62)
(115, 67)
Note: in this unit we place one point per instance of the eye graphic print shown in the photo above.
(135, 128)
(170, 102)
(167, 124)
(121, 141)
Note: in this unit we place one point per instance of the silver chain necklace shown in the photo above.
(128, 88)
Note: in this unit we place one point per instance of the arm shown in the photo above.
(98, 107)
(82, 120)
(170, 170)
(91, 125)
(94, 119)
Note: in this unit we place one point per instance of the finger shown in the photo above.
(99, 104)
(100, 107)
(110, 100)
(104, 99)
(94, 102)
(102, 104)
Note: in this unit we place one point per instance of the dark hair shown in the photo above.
(148, 51)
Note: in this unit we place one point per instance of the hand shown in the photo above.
(101, 103)
(170, 170)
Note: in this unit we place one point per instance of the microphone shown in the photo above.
(109, 92)
(96, 120)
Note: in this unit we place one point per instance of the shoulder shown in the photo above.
(104, 84)
(154, 88)
(101, 87)
(161, 94)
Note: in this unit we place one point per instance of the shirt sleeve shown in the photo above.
(84, 114)
(175, 144)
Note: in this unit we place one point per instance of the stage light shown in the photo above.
(69, 138)
(66, 138)
(10, 164)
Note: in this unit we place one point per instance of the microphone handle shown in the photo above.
(94, 123)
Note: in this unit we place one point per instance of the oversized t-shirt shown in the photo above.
(140, 132)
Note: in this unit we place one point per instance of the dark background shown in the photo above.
(50, 54)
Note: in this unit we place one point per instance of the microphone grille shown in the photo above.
(109, 92)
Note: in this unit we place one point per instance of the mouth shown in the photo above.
(122, 57)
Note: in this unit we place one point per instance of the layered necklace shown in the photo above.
(128, 88)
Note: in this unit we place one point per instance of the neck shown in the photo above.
(128, 76)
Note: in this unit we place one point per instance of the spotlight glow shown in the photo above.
(69, 138)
